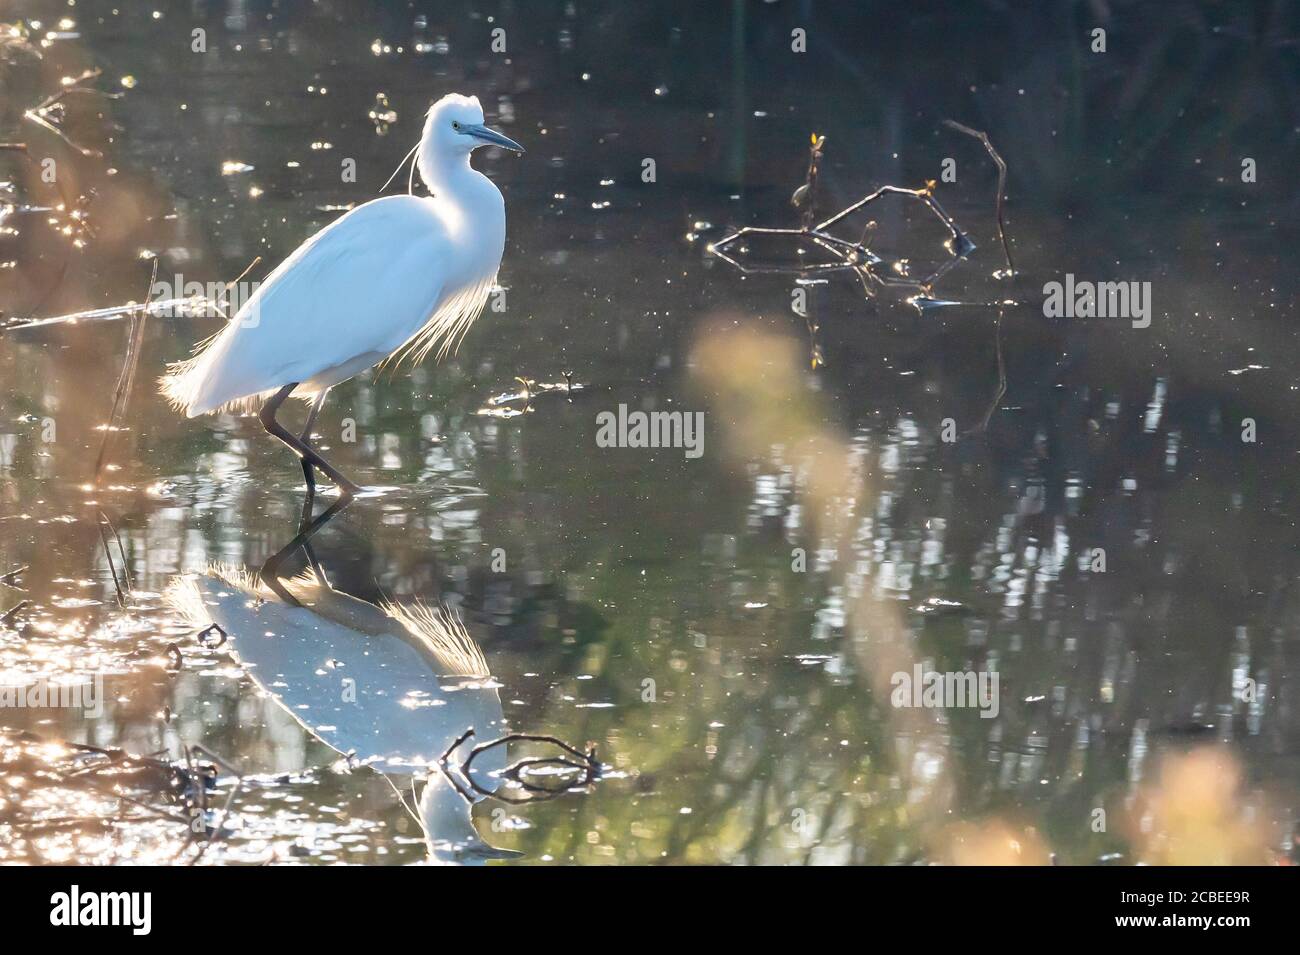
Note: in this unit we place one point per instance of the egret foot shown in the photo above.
(309, 455)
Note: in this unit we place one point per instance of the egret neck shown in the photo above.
(474, 212)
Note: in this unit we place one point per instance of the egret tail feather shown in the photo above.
(185, 382)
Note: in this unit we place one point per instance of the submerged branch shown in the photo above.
(584, 764)
(1002, 185)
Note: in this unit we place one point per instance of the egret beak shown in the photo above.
(491, 137)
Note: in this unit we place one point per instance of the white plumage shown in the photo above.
(395, 277)
(392, 686)
(417, 679)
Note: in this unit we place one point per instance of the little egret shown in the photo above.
(394, 277)
(389, 686)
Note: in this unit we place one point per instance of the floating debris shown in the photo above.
(522, 781)
(845, 254)
(938, 607)
(856, 256)
(48, 113)
(923, 303)
(503, 412)
(502, 405)
(212, 636)
(80, 788)
(9, 616)
(849, 254)
(813, 659)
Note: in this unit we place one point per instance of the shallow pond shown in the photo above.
(1118, 545)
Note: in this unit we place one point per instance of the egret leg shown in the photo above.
(305, 438)
(297, 445)
(270, 573)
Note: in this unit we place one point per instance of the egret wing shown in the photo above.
(354, 292)
(374, 694)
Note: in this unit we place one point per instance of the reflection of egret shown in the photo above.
(392, 686)
(396, 276)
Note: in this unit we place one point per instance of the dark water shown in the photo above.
(769, 589)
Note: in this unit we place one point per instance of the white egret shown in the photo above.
(394, 277)
(391, 686)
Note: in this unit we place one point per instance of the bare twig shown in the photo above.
(39, 114)
(1002, 185)
(129, 779)
(854, 255)
(1001, 390)
(126, 378)
(122, 586)
(219, 828)
(1010, 272)
(10, 578)
(857, 256)
(806, 195)
(9, 616)
(585, 764)
(202, 636)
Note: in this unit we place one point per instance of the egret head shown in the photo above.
(453, 129)
(449, 832)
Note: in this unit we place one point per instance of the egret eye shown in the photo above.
(455, 124)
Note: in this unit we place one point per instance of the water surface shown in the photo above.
(722, 629)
